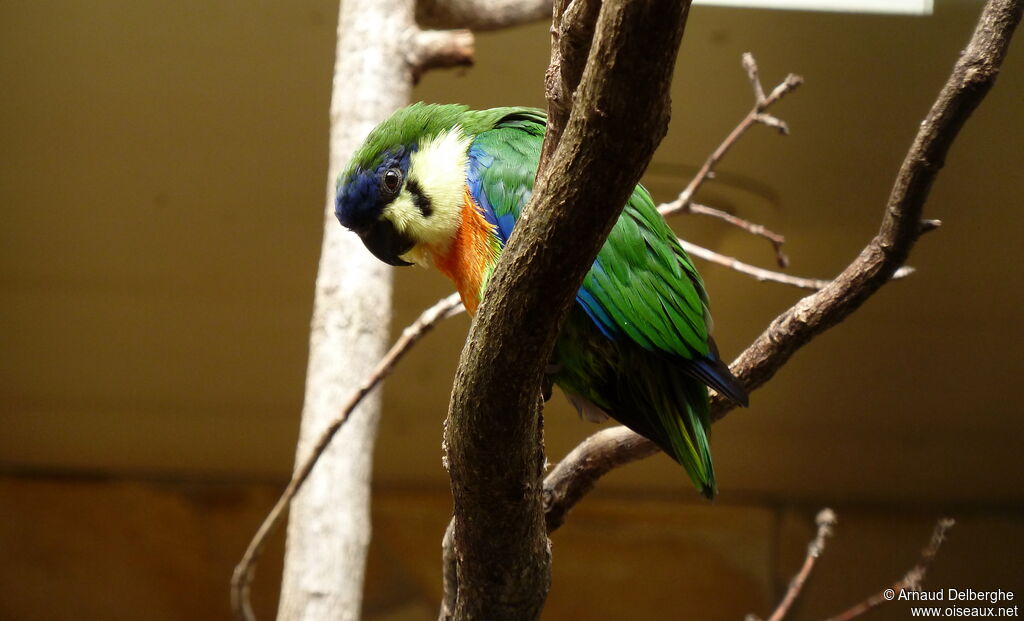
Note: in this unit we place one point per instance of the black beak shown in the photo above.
(386, 243)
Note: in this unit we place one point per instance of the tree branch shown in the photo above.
(572, 31)
(684, 202)
(450, 573)
(758, 230)
(971, 78)
(911, 581)
(481, 15)
(241, 580)
(826, 521)
(493, 432)
(762, 275)
(438, 49)
(423, 46)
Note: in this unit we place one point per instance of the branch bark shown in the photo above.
(428, 319)
(572, 32)
(481, 15)
(380, 52)
(762, 275)
(438, 49)
(329, 528)
(825, 521)
(911, 581)
(972, 76)
(493, 435)
(684, 202)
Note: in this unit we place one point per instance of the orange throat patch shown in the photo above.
(470, 256)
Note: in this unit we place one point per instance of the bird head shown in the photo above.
(402, 193)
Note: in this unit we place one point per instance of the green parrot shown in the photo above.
(443, 185)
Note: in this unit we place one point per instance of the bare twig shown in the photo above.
(438, 49)
(972, 76)
(750, 227)
(826, 521)
(757, 273)
(245, 570)
(911, 581)
(684, 202)
(481, 15)
(750, 66)
(762, 275)
(580, 470)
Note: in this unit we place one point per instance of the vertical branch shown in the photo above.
(329, 525)
(572, 30)
(493, 432)
(380, 52)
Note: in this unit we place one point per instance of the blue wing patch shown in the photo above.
(479, 163)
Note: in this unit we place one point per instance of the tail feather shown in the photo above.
(671, 409)
(716, 374)
(692, 406)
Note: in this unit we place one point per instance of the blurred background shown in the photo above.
(162, 185)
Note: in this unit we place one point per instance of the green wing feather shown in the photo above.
(634, 343)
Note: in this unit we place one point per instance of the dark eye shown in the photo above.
(392, 181)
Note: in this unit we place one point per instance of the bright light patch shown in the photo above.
(903, 7)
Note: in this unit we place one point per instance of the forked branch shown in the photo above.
(826, 522)
(442, 309)
(493, 434)
(684, 202)
(972, 76)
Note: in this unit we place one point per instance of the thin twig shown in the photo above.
(759, 230)
(911, 581)
(684, 202)
(762, 275)
(826, 521)
(757, 273)
(750, 227)
(241, 580)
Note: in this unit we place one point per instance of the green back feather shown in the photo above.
(643, 290)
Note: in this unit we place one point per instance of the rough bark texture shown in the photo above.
(972, 76)
(493, 434)
(329, 524)
(572, 33)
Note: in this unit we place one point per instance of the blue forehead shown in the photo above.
(358, 202)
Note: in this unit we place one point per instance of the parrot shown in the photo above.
(443, 185)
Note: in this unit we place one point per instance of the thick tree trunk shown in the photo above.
(329, 524)
(493, 434)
